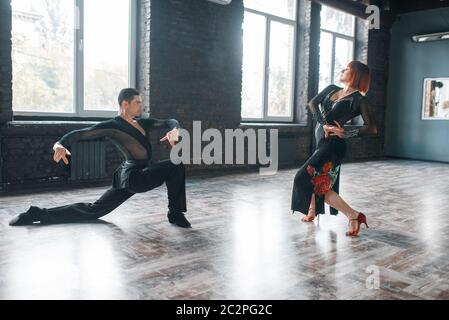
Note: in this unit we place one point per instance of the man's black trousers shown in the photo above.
(141, 180)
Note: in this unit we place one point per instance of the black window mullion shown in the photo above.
(76, 29)
(333, 58)
(267, 67)
(79, 58)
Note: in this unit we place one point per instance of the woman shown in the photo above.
(317, 181)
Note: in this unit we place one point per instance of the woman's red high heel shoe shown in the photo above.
(361, 219)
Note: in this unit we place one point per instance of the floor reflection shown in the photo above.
(74, 264)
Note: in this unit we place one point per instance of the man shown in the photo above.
(138, 173)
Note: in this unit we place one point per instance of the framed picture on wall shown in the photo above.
(435, 99)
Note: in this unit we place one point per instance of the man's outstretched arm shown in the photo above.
(156, 124)
(60, 153)
(171, 136)
(61, 146)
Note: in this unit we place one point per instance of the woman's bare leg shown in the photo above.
(312, 206)
(334, 200)
(311, 212)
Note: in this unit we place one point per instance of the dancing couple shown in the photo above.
(316, 182)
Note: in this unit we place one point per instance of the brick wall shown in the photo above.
(28, 156)
(5, 63)
(195, 63)
(143, 51)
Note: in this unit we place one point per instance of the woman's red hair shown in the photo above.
(360, 76)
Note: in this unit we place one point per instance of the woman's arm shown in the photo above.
(369, 126)
(313, 104)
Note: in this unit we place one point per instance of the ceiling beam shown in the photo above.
(358, 9)
(355, 8)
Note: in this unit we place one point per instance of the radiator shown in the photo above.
(88, 160)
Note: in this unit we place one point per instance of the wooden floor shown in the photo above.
(244, 244)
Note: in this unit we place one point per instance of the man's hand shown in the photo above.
(172, 137)
(60, 153)
(333, 131)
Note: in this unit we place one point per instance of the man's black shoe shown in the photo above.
(26, 218)
(179, 219)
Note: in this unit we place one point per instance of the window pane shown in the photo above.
(253, 65)
(282, 8)
(280, 84)
(343, 55)
(325, 60)
(42, 55)
(106, 52)
(337, 21)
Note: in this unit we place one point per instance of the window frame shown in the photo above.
(78, 67)
(336, 35)
(268, 18)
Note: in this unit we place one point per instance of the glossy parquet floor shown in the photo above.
(244, 244)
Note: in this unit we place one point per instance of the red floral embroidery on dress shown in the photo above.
(327, 167)
(310, 170)
(321, 182)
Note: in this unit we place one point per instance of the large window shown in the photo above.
(336, 44)
(269, 30)
(71, 57)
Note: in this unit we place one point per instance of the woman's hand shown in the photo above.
(333, 130)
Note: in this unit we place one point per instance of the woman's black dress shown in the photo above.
(321, 172)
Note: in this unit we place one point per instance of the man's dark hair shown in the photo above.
(127, 94)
